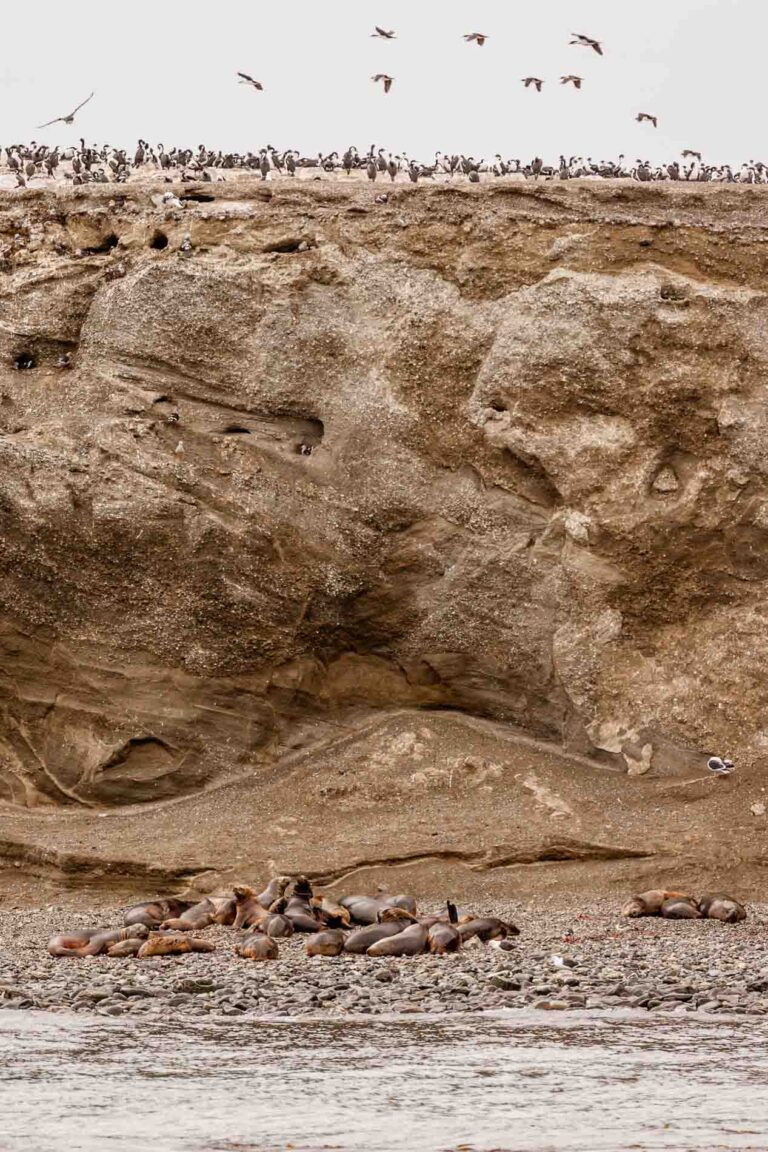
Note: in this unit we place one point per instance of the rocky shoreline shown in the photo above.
(609, 962)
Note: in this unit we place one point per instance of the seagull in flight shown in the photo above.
(587, 42)
(382, 34)
(70, 119)
(641, 116)
(478, 38)
(381, 77)
(246, 79)
(537, 83)
(575, 80)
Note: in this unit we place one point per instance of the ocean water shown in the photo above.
(514, 1080)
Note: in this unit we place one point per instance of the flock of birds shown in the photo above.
(85, 164)
(106, 164)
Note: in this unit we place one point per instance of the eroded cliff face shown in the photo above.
(502, 451)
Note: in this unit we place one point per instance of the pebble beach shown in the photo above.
(604, 962)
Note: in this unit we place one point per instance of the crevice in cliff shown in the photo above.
(560, 852)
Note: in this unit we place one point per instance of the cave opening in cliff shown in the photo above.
(159, 241)
(236, 429)
(24, 361)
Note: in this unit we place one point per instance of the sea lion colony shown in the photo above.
(371, 925)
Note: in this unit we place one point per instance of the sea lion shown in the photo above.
(250, 910)
(443, 938)
(93, 941)
(173, 944)
(649, 903)
(199, 916)
(387, 915)
(125, 948)
(716, 907)
(365, 909)
(486, 928)
(258, 948)
(331, 913)
(328, 943)
(154, 912)
(276, 926)
(361, 940)
(273, 891)
(410, 942)
(680, 908)
(225, 910)
(298, 907)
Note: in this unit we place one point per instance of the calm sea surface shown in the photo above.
(505, 1081)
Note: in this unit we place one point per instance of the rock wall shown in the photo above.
(498, 450)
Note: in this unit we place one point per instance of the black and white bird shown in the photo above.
(587, 42)
(246, 79)
(720, 766)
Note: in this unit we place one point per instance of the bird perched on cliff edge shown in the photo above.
(70, 118)
(246, 79)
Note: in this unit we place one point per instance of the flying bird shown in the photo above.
(246, 79)
(70, 119)
(528, 80)
(587, 42)
(641, 116)
(575, 80)
(688, 152)
(479, 38)
(383, 78)
(382, 34)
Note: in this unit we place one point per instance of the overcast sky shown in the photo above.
(166, 71)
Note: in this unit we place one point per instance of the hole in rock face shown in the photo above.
(236, 429)
(159, 241)
(673, 292)
(106, 245)
(497, 406)
(162, 400)
(196, 198)
(23, 361)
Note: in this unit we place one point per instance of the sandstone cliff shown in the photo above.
(319, 464)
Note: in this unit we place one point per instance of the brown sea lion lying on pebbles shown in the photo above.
(650, 903)
(258, 947)
(486, 928)
(124, 948)
(365, 909)
(154, 912)
(410, 942)
(358, 942)
(716, 907)
(443, 938)
(93, 941)
(173, 944)
(680, 908)
(327, 943)
(194, 919)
